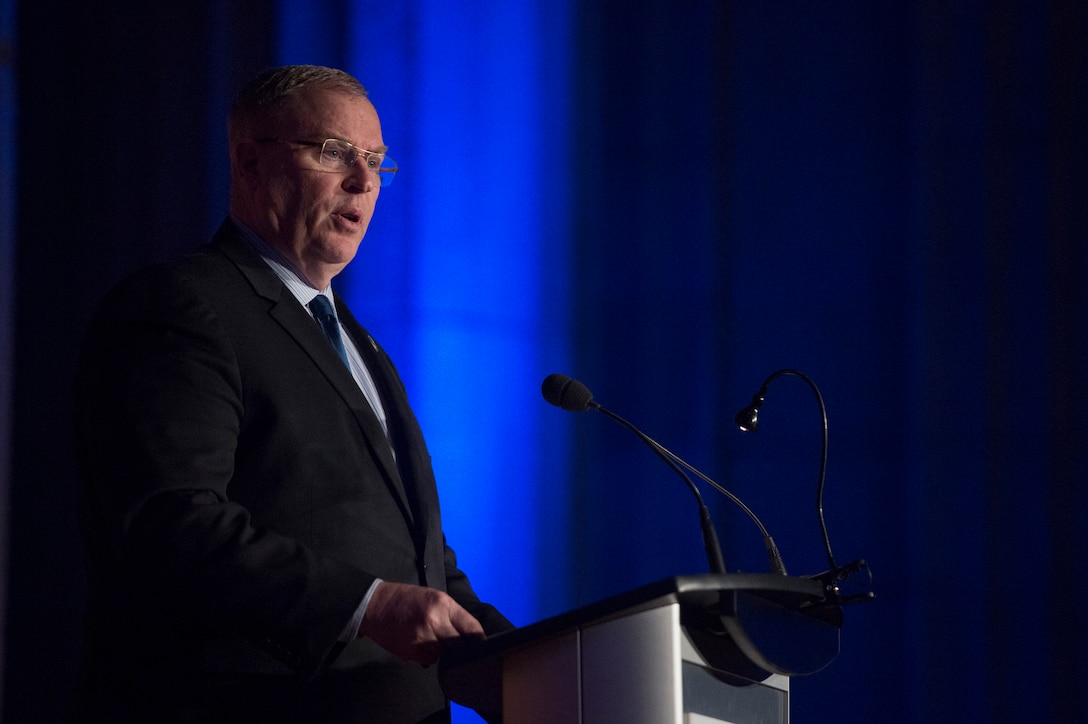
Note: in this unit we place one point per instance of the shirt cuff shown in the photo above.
(351, 631)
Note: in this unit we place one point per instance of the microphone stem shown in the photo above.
(714, 556)
(773, 554)
(715, 559)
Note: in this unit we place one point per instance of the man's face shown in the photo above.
(314, 214)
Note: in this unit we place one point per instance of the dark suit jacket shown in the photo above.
(241, 498)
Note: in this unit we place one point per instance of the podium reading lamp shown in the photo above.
(716, 648)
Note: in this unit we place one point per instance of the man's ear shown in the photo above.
(246, 160)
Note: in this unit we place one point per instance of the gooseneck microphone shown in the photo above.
(748, 421)
(569, 394)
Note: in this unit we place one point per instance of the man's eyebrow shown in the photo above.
(379, 149)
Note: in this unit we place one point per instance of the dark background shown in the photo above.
(890, 197)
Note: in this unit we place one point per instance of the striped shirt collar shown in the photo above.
(285, 270)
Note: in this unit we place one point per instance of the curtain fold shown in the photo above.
(891, 199)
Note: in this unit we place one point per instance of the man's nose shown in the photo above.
(361, 179)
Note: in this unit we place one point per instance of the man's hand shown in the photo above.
(412, 622)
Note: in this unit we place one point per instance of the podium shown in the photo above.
(697, 649)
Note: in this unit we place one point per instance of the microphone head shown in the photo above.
(570, 394)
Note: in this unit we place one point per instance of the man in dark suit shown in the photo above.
(263, 530)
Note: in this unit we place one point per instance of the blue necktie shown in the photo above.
(324, 315)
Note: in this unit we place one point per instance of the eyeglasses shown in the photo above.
(337, 155)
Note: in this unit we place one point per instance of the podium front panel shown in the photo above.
(639, 668)
(720, 697)
(541, 684)
(631, 669)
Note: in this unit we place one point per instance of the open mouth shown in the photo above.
(350, 216)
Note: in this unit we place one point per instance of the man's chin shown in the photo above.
(339, 250)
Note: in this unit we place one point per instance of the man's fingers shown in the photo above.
(464, 623)
(413, 621)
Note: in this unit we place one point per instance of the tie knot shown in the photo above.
(321, 308)
(326, 319)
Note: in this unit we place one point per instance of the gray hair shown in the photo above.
(272, 89)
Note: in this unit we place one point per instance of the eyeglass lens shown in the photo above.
(335, 152)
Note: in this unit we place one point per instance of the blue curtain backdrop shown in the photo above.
(669, 201)
(458, 273)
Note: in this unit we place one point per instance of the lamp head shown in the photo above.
(748, 418)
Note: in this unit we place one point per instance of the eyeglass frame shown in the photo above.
(385, 174)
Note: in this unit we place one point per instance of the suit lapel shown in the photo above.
(413, 460)
(290, 315)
